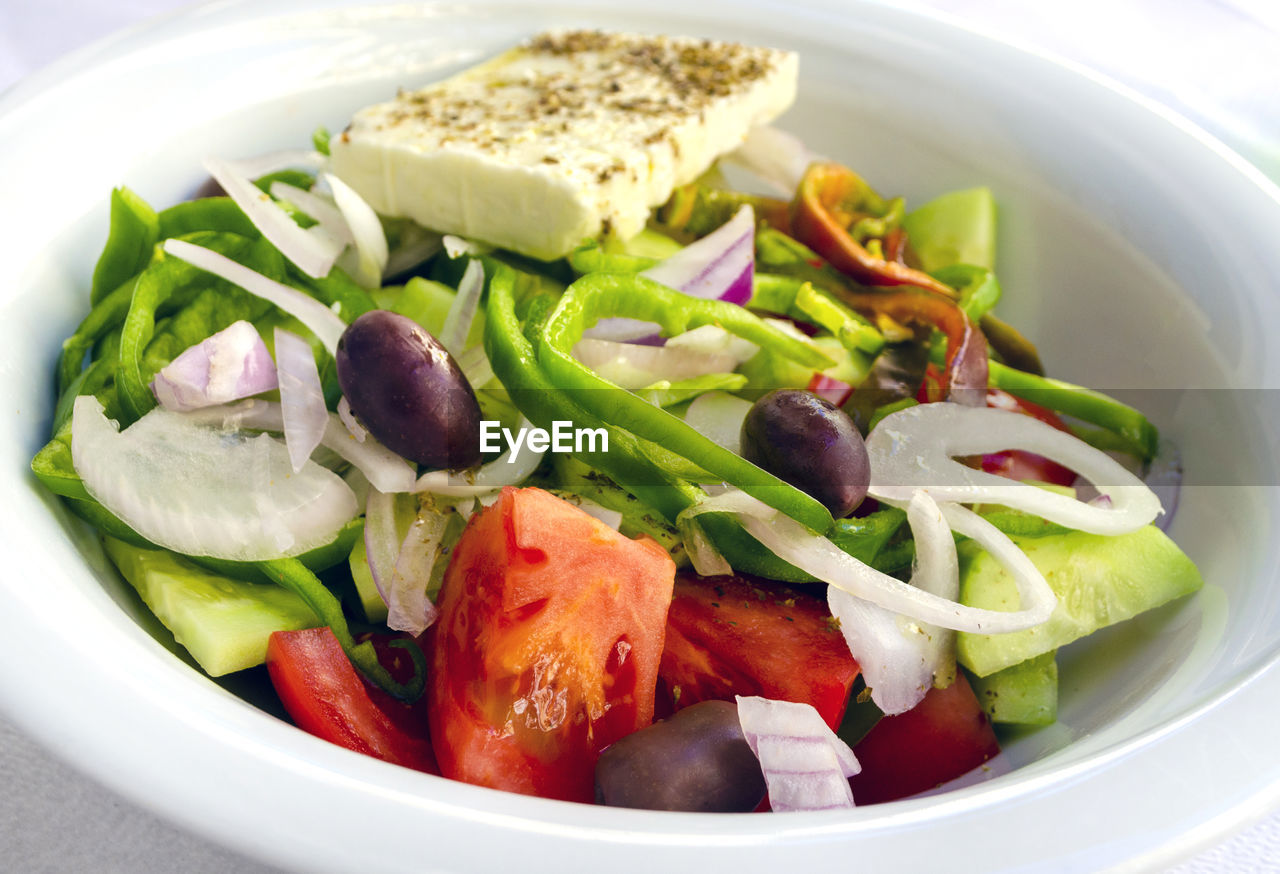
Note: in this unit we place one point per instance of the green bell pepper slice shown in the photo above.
(601, 295)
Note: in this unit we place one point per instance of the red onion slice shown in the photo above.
(718, 266)
(319, 319)
(900, 658)
(830, 389)
(806, 766)
(1164, 477)
(301, 396)
(314, 255)
(231, 364)
(201, 491)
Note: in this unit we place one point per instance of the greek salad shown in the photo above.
(517, 444)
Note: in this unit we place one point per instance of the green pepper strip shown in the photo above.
(591, 258)
(205, 214)
(294, 576)
(629, 462)
(106, 314)
(1139, 436)
(979, 289)
(1086, 404)
(602, 295)
(133, 233)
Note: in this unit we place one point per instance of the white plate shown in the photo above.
(1136, 251)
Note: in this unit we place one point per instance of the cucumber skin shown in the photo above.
(1099, 581)
(223, 622)
(1022, 694)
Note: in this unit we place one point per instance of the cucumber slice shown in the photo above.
(1024, 694)
(1099, 581)
(224, 623)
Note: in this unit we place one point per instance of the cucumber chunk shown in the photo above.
(1099, 581)
(375, 609)
(1023, 694)
(224, 623)
(956, 228)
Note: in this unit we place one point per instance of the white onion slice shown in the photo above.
(806, 766)
(475, 366)
(455, 247)
(200, 491)
(620, 329)
(902, 659)
(410, 609)
(354, 428)
(707, 561)
(318, 318)
(505, 470)
(632, 365)
(301, 396)
(915, 448)
(227, 366)
(718, 416)
(718, 266)
(313, 254)
(714, 340)
(385, 470)
(403, 543)
(284, 159)
(366, 231)
(819, 557)
(323, 210)
(777, 157)
(415, 247)
(462, 312)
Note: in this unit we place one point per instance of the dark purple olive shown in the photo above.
(408, 391)
(811, 444)
(696, 760)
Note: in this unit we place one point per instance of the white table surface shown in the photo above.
(1216, 61)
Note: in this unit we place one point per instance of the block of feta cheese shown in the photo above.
(574, 134)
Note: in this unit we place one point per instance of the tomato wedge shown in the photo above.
(944, 736)
(547, 646)
(325, 696)
(734, 635)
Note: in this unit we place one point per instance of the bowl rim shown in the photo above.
(311, 762)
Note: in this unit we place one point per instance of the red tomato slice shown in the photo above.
(324, 694)
(547, 646)
(731, 636)
(945, 735)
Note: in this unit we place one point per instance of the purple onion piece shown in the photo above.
(227, 366)
(1164, 477)
(717, 267)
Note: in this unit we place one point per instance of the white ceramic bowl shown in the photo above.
(1136, 251)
